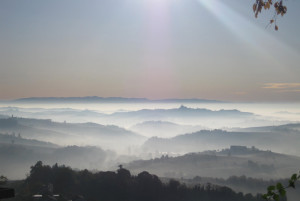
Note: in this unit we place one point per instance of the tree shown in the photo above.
(3, 180)
(279, 9)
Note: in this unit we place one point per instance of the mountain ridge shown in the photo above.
(111, 99)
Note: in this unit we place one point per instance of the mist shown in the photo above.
(172, 139)
(108, 113)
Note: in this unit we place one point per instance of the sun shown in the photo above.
(162, 2)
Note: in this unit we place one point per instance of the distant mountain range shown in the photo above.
(181, 115)
(182, 112)
(95, 99)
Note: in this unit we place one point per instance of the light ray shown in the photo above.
(247, 32)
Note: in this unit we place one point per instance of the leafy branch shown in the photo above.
(279, 8)
(275, 192)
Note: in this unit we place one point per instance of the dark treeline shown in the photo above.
(242, 183)
(117, 186)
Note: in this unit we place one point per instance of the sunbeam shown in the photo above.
(246, 31)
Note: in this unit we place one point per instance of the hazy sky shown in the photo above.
(213, 49)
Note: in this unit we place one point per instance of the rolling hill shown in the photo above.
(237, 160)
(72, 133)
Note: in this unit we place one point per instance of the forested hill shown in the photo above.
(238, 160)
(14, 138)
(116, 186)
(267, 138)
(106, 136)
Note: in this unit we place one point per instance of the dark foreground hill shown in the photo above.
(115, 186)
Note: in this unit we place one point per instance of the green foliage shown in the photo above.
(279, 191)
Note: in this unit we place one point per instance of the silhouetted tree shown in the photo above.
(3, 180)
(118, 186)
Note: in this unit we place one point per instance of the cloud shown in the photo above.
(295, 87)
(290, 90)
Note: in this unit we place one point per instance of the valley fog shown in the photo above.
(183, 140)
(289, 112)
